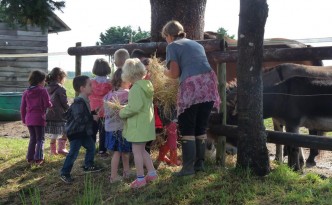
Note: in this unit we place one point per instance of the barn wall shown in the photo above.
(14, 71)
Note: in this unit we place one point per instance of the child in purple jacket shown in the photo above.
(35, 101)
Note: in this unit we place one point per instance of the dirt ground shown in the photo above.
(323, 167)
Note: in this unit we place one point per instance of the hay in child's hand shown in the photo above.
(165, 89)
(114, 104)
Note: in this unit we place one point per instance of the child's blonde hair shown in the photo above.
(133, 70)
(173, 28)
(120, 56)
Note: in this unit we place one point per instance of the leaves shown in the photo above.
(121, 35)
(29, 12)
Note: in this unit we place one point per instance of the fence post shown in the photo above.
(78, 63)
(221, 140)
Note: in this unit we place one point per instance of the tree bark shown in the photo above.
(190, 13)
(252, 150)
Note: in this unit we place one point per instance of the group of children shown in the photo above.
(122, 131)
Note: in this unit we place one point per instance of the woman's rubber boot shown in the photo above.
(174, 158)
(200, 155)
(162, 156)
(188, 158)
(53, 148)
(62, 146)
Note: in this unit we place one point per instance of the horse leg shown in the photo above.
(310, 162)
(294, 159)
(277, 126)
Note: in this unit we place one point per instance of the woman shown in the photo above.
(197, 94)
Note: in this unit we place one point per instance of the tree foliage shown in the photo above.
(29, 12)
(122, 35)
(223, 32)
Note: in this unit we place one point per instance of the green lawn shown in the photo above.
(25, 184)
(69, 88)
(21, 183)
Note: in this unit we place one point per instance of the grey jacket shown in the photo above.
(59, 100)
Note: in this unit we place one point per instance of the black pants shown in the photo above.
(99, 127)
(193, 121)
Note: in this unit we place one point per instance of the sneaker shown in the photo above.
(66, 179)
(149, 178)
(103, 154)
(137, 184)
(91, 169)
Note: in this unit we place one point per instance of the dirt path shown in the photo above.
(324, 160)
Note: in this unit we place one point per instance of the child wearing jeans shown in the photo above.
(114, 126)
(101, 85)
(79, 129)
(55, 121)
(35, 101)
(140, 125)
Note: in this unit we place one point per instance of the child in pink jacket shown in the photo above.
(35, 101)
(101, 85)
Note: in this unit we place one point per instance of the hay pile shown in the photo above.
(165, 89)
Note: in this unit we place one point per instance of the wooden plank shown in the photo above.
(23, 38)
(12, 89)
(4, 26)
(21, 51)
(31, 33)
(13, 79)
(23, 64)
(24, 43)
(21, 69)
(298, 140)
(280, 54)
(36, 59)
(149, 48)
(8, 32)
(43, 48)
(12, 73)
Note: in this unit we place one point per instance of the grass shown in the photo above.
(21, 183)
(69, 88)
(25, 184)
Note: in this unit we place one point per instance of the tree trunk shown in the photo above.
(252, 150)
(190, 13)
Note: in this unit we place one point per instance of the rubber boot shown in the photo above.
(174, 158)
(62, 146)
(53, 148)
(162, 156)
(188, 156)
(200, 155)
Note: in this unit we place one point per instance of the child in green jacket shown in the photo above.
(140, 124)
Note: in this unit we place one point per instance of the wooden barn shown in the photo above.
(21, 50)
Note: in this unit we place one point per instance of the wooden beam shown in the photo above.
(279, 54)
(150, 48)
(285, 138)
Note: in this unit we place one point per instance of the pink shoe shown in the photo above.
(149, 178)
(137, 184)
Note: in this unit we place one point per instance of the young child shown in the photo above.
(101, 85)
(114, 127)
(35, 101)
(79, 129)
(143, 57)
(55, 121)
(120, 56)
(170, 145)
(139, 127)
